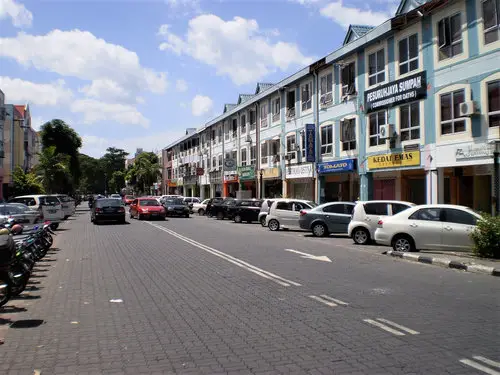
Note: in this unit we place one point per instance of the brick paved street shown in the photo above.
(200, 296)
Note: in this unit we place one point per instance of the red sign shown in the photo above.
(200, 171)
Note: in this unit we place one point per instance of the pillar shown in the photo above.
(434, 182)
(284, 188)
(366, 186)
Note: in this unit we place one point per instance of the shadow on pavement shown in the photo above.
(12, 309)
(28, 323)
(25, 296)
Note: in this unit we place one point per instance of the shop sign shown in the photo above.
(310, 143)
(200, 171)
(400, 159)
(246, 172)
(336, 166)
(231, 178)
(229, 164)
(474, 152)
(172, 183)
(271, 172)
(398, 92)
(299, 171)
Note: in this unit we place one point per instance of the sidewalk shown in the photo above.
(450, 259)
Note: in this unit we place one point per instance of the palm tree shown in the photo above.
(52, 168)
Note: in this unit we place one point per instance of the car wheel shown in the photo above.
(361, 236)
(403, 243)
(139, 217)
(273, 225)
(319, 230)
(237, 219)
(220, 216)
(201, 212)
(263, 221)
(96, 222)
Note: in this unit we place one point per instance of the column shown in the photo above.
(366, 186)
(284, 188)
(432, 186)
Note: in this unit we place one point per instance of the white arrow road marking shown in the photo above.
(240, 263)
(389, 329)
(329, 301)
(322, 258)
(480, 367)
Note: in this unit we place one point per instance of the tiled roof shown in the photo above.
(261, 86)
(228, 107)
(244, 97)
(358, 31)
(20, 109)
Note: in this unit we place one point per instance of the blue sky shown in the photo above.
(137, 73)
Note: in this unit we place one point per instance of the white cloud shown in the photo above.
(345, 16)
(37, 122)
(76, 53)
(44, 94)
(201, 105)
(181, 85)
(20, 16)
(108, 90)
(227, 45)
(95, 110)
(183, 8)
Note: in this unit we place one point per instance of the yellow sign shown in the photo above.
(400, 159)
(271, 172)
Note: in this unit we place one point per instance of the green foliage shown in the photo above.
(486, 237)
(117, 181)
(93, 179)
(53, 169)
(144, 172)
(26, 183)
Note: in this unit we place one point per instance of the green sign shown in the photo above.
(246, 173)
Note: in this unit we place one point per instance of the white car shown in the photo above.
(366, 214)
(432, 227)
(48, 205)
(200, 207)
(284, 213)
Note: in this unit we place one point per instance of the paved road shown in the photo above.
(201, 296)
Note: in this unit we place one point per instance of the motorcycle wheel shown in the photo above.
(18, 289)
(5, 290)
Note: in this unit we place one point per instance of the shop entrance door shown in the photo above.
(384, 189)
(416, 190)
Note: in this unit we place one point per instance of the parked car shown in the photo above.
(21, 213)
(331, 217)
(128, 199)
(264, 210)
(108, 209)
(68, 204)
(189, 201)
(244, 210)
(201, 207)
(147, 208)
(220, 210)
(163, 197)
(211, 203)
(48, 205)
(366, 215)
(432, 227)
(176, 207)
(284, 213)
(115, 196)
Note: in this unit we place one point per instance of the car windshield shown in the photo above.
(50, 201)
(176, 201)
(108, 203)
(205, 201)
(148, 202)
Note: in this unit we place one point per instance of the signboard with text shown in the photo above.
(336, 166)
(246, 172)
(310, 143)
(399, 159)
(395, 93)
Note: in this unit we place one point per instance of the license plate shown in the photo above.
(52, 211)
(154, 214)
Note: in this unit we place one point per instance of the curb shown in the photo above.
(476, 268)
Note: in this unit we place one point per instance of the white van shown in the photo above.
(68, 204)
(49, 206)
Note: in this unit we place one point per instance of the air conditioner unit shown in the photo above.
(386, 131)
(248, 139)
(468, 109)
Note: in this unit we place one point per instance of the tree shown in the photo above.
(92, 175)
(53, 168)
(117, 181)
(114, 160)
(144, 172)
(26, 182)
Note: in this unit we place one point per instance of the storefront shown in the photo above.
(204, 187)
(338, 180)
(215, 184)
(398, 176)
(465, 175)
(272, 184)
(300, 181)
(246, 176)
(171, 186)
(191, 186)
(231, 184)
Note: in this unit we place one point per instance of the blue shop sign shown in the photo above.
(347, 165)
(310, 143)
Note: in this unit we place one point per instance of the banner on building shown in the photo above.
(310, 143)
(399, 159)
(246, 172)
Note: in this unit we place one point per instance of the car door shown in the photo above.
(283, 213)
(457, 226)
(335, 217)
(426, 228)
(374, 211)
(295, 213)
(52, 208)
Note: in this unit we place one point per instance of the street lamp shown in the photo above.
(496, 175)
(261, 174)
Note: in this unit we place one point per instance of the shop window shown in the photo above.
(274, 146)
(252, 155)
(494, 104)
(226, 130)
(306, 96)
(348, 78)
(276, 109)
(376, 209)
(376, 120)
(228, 155)
(326, 90)
(243, 156)
(235, 128)
(409, 119)
(326, 139)
(451, 122)
(426, 214)
(290, 104)
(253, 120)
(219, 134)
(491, 20)
(214, 162)
(459, 217)
(220, 161)
(450, 36)
(376, 67)
(263, 153)
(408, 54)
(243, 122)
(291, 153)
(263, 115)
(234, 155)
(348, 134)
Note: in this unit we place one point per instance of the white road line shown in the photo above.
(334, 300)
(480, 367)
(487, 361)
(324, 301)
(403, 328)
(240, 263)
(384, 327)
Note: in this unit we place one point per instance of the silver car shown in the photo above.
(20, 212)
(331, 217)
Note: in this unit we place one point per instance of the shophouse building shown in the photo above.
(406, 110)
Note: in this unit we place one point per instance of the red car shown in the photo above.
(150, 208)
(128, 199)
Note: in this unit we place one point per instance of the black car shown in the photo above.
(176, 207)
(245, 210)
(220, 210)
(107, 209)
(211, 203)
